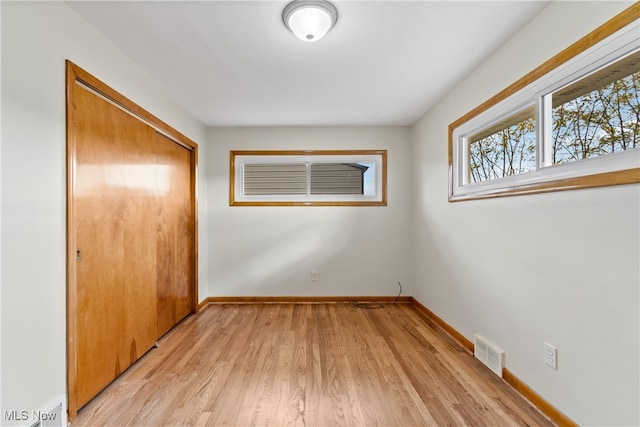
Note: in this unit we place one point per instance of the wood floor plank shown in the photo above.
(343, 364)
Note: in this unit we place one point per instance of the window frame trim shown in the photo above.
(233, 154)
(543, 181)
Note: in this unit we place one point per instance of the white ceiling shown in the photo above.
(234, 63)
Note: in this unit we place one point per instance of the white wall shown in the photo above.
(37, 37)
(271, 251)
(560, 267)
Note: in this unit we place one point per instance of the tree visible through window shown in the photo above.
(603, 121)
(573, 122)
(510, 151)
(595, 116)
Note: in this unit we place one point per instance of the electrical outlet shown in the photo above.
(551, 356)
(314, 276)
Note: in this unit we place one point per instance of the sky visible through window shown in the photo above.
(369, 179)
(589, 119)
(507, 152)
(604, 121)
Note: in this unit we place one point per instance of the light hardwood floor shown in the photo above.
(339, 364)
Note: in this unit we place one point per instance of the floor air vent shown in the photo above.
(489, 354)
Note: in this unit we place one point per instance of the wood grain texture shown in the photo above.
(298, 299)
(174, 235)
(116, 275)
(436, 321)
(618, 22)
(232, 166)
(549, 410)
(605, 179)
(631, 176)
(77, 74)
(72, 300)
(309, 364)
(131, 204)
(533, 397)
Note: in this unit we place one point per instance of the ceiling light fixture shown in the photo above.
(310, 20)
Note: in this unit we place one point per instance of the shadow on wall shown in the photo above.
(272, 250)
(441, 274)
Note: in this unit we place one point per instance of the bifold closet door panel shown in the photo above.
(116, 180)
(175, 235)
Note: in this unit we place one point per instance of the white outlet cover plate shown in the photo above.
(551, 356)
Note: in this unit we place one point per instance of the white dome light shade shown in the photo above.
(309, 20)
(309, 24)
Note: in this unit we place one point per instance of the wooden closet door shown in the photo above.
(131, 233)
(174, 237)
(115, 202)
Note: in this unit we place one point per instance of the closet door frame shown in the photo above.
(79, 79)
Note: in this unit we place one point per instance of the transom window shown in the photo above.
(575, 126)
(355, 177)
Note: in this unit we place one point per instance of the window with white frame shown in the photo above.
(575, 126)
(289, 178)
